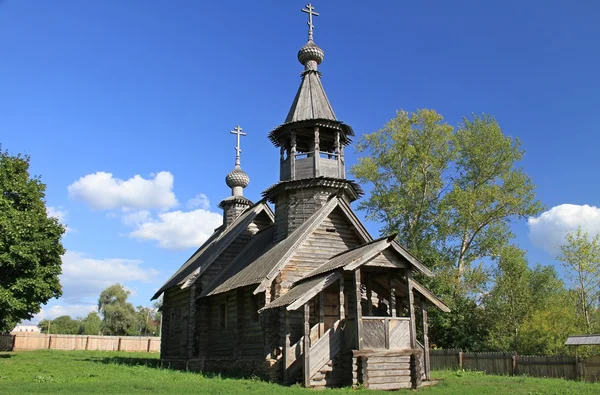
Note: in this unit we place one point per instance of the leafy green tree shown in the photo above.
(509, 302)
(487, 193)
(30, 246)
(406, 164)
(451, 196)
(91, 324)
(581, 259)
(518, 293)
(63, 325)
(545, 331)
(119, 316)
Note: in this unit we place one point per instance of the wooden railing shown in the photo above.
(390, 333)
(326, 347)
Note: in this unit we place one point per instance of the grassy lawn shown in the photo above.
(73, 372)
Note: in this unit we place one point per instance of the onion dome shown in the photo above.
(311, 55)
(237, 178)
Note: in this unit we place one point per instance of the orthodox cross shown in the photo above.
(237, 131)
(310, 10)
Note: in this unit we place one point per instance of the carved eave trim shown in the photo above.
(353, 190)
(280, 132)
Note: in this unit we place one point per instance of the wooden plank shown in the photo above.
(358, 312)
(369, 295)
(306, 346)
(286, 344)
(426, 358)
(392, 297)
(390, 386)
(393, 373)
(377, 360)
(388, 379)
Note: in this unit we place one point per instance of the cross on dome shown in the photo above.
(310, 10)
(237, 131)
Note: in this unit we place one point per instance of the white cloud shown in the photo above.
(136, 217)
(103, 191)
(73, 311)
(84, 278)
(199, 201)
(548, 231)
(178, 230)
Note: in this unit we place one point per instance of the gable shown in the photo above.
(233, 249)
(386, 258)
(249, 221)
(334, 235)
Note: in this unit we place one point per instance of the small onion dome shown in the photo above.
(311, 55)
(237, 178)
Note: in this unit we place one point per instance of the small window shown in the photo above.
(223, 316)
(330, 230)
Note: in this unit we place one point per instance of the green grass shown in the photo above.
(74, 372)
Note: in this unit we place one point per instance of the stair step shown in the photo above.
(326, 368)
(329, 382)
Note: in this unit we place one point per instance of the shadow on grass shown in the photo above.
(5, 355)
(158, 364)
(129, 361)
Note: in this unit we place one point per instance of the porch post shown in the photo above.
(358, 309)
(306, 368)
(411, 307)
(286, 344)
(425, 339)
(369, 296)
(342, 301)
(293, 155)
(392, 295)
(321, 314)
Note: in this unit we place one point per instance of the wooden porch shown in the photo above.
(378, 349)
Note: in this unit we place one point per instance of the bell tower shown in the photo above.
(311, 143)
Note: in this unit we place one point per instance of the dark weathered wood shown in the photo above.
(321, 314)
(358, 308)
(306, 370)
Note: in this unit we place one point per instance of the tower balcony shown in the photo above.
(312, 164)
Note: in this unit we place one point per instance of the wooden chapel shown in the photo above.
(304, 293)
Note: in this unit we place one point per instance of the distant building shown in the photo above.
(26, 328)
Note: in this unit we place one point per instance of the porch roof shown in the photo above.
(303, 292)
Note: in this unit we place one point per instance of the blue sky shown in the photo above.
(101, 91)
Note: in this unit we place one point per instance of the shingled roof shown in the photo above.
(268, 263)
(311, 101)
(214, 246)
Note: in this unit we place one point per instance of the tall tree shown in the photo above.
(406, 165)
(488, 192)
(30, 246)
(118, 314)
(581, 259)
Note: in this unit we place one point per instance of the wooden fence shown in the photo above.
(21, 342)
(509, 363)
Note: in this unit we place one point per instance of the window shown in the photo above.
(223, 316)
